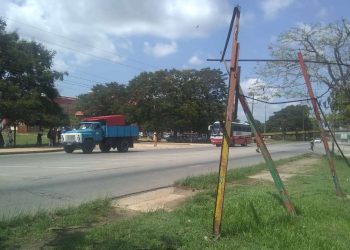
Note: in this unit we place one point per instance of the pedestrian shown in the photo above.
(2, 142)
(39, 139)
(59, 132)
(10, 138)
(49, 136)
(312, 145)
(155, 139)
(54, 134)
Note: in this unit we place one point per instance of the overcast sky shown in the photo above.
(101, 41)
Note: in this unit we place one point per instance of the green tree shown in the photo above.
(187, 100)
(104, 99)
(27, 89)
(290, 118)
(323, 43)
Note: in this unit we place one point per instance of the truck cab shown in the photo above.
(107, 131)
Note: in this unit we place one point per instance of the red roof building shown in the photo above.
(67, 104)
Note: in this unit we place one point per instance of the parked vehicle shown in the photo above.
(107, 131)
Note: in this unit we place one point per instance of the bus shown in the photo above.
(241, 134)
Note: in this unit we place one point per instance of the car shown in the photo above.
(317, 140)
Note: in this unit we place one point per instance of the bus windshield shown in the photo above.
(216, 129)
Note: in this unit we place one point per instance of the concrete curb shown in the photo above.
(21, 151)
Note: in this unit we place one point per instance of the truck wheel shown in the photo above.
(123, 146)
(104, 147)
(88, 146)
(69, 148)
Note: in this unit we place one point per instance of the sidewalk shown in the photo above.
(344, 147)
(29, 150)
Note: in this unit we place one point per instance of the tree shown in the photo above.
(290, 118)
(324, 43)
(187, 100)
(104, 99)
(27, 87)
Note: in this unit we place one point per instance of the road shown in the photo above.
(49, 180)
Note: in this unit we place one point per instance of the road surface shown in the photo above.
(49, 180)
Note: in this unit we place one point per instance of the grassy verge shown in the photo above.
(253, 219)
(29, 139)
(209, 181)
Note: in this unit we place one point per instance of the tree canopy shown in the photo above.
(323, 43)
(104, 99)
(27, 87)
(290, 118)
(187, 100)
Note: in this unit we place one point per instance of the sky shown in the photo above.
(103, 41)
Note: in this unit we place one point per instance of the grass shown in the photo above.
(209, 181)
(253, 219)
(28, 139)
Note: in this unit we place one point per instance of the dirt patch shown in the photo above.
(169, 198)
(166, 199)
(290, 169)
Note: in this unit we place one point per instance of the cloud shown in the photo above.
(104, 29)
(259, 108)
(271, 8)
(247, 17)
(160, 49)
(322, 13)
(195, 60)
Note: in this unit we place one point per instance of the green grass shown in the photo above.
(29, 139)
(209, 181)
(27, 229)
(253, 219)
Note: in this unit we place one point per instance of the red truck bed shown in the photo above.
(111, 120)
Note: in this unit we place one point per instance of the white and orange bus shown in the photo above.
(241, 134)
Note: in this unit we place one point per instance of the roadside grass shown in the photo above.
(23, 229)
(209, 181)
(253, 219)
(29, 139)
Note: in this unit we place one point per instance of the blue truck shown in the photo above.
(106, 131)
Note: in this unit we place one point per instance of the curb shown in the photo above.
(31, 152)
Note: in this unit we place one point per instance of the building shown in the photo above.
(67, 104)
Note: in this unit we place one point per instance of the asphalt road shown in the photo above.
(49, 180)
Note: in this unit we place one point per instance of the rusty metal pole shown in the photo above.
(338, 190)
(333, 136)
(219, 202)
(268, 159)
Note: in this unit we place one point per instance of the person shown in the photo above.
(59, 132)
(39, 139)
(312, 145)
(49, 136)
(2, 142)
(54, 134)
(155, 139)
(10, 138)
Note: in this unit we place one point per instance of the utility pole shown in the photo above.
(314, 102)
(265, 120)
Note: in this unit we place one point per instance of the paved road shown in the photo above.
(50, 180)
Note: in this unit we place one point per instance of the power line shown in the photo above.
(85, 53)
(284, 102)
(78, 42)
(280, 60)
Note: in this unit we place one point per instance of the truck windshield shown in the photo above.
(86, 126)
